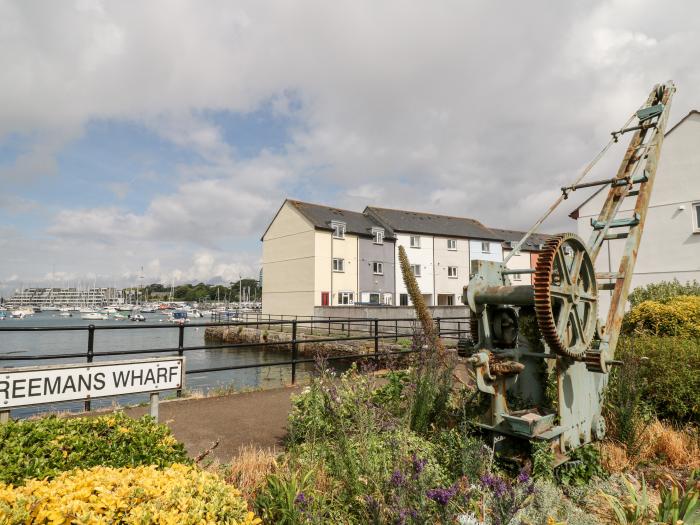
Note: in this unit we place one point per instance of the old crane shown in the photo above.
(542, 346)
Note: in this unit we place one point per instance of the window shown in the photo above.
(696, 216)
(378, 268)
(388, 299)
(338, 230)
(338, 265)
(451, 244)
(378, 236)
(416, 269)
(345, 298)
(517, 277)
(452, 272)
(403, 299)
(485, 247)
(415, 241)
(374, 298)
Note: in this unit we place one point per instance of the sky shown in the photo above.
(159, 138)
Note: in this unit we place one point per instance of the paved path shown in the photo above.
(257, 418)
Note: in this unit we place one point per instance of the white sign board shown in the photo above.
(49, 384)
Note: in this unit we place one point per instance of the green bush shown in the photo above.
(670, 376)
(663, 291)
(679, 316)
(43, 448)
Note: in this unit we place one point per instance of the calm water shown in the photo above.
(54, 343)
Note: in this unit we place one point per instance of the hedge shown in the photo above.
(179, 494)
(44, 448)
(671, 373)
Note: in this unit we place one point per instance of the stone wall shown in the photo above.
(245, 334)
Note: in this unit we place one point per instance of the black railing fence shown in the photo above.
(306, 330)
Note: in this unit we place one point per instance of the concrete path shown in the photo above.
(251, 418)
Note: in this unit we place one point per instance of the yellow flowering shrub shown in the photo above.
(176, 495)
(679, 316)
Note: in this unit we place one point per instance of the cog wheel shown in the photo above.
(566, 296)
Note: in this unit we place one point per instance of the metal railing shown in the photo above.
(306, 331)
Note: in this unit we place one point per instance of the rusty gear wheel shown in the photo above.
(566, 295)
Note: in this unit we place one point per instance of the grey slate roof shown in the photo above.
(512, 236)
(432, 224)
(321, 217)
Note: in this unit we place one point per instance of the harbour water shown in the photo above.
(46, 343)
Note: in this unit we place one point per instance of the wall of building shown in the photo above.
(345, 281)
(523, 261)
(670, 248)
(476, 251)
(288, 265)
(322, 265)
(422, 256)
(384, 284)
(446, 286)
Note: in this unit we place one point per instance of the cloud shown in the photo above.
(478, 108)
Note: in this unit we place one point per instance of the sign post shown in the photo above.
(38, 385)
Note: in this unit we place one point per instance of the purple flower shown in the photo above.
(418, 466)
(397, 478)
(495, 484)
(442, 496)
(301, 500)
(524, 476)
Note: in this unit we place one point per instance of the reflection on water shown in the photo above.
(55, 343)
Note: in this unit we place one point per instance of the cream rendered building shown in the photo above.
(310, 258)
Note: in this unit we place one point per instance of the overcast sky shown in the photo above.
(165, 134)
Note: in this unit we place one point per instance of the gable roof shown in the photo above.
(431, 224)
(575, 213)
(512, 236)
(321, 217)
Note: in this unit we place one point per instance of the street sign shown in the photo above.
(38, 385)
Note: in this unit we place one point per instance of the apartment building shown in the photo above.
(316, 255)
(440, 249)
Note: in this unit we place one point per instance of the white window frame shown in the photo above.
(485, 247)
(403, 296)
(452, 272)
(345, 298)
(378, 268)
(452, 245)
(388, 299)
(414, 241)
(338, 229)
(338, 265)
(415, 267)
(695, 206)
(517, 276)
(379, 297)
(378, 236)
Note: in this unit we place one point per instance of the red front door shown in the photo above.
(325, 296)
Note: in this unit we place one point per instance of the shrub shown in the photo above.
(670, 374)
(679, 316)
(43, 448)
(663, 291)
(625, 409)
(178, 494)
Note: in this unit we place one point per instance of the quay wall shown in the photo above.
(246, 334)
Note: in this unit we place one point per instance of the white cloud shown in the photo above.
(473, 108)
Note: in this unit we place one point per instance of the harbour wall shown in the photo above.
(246, 334)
